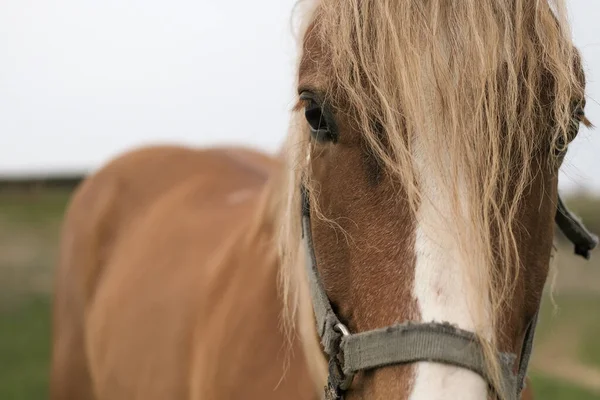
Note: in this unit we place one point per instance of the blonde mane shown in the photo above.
(486, 85)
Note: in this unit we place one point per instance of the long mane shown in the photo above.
(484, 84)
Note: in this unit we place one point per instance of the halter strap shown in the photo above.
(574, 230)
(399, 344)
(412, 342)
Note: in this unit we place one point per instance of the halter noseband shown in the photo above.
(414, 342)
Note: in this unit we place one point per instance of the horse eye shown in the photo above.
(315, 115)
(561, 142)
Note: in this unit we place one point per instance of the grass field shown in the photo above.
(566, 364)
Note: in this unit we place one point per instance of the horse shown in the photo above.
(397, 247)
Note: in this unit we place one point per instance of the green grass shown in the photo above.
(589, 351)
(25, 350)
(33, 209)
(546, 388)
(29, 225)
(577, 312)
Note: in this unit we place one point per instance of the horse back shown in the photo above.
(161, 291)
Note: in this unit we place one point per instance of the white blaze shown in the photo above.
(442, 289)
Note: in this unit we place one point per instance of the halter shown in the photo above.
(414, 342)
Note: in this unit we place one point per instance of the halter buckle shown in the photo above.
(341, 328)
(345, 380)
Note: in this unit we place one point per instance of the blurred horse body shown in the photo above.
(167, 284)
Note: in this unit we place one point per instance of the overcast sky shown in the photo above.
(83, 80)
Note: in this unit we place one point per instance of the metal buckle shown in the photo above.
(346, 380)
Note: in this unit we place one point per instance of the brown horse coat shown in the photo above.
(167, 283)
